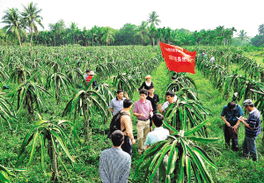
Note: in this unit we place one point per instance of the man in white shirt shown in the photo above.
(159, 133)
(171, 98)
(116, 104)
(212, 59)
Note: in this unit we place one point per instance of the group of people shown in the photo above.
(145, 110)
(115, 162)
(232, 115)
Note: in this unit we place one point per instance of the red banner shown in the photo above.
(178, 59)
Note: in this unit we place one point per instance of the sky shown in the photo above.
(188, 14)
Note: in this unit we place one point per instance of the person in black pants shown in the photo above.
(153, 98)
(230, 115)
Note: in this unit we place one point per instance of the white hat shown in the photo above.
(91, 73)
(148, 77)
(248, 102)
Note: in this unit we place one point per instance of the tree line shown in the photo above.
(23, 27)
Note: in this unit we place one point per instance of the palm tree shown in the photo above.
(108, 36)
(154, 19)
(243, 35)
(261, 29)
(143, 32)
(31, 17)
(14, 24)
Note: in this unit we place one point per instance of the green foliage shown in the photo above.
(182, 159)
(48, 137)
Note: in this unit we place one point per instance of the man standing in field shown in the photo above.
(143, 111)
(159, 133)
(171, 98)
(115, 164)
(116, 104)
(252, 129)
(153, 98)
(127, 126)
(230, 115)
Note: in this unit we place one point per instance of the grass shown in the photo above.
(232, 167)
(258, 56)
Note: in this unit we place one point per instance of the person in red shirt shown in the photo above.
(143, 111)
(89, 76)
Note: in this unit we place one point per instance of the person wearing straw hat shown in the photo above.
(147, 84)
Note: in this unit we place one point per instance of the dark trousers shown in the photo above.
(231, 135)
(127, 145)
(249, 147)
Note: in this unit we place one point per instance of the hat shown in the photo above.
(148, 77)
(248, 102)
(91, 73)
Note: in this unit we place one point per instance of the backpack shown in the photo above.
(116, 123)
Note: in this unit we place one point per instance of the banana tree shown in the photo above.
(86, 103)
(49, 140)
(178, 158)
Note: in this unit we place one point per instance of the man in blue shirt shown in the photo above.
(252, 129)
(230, 115)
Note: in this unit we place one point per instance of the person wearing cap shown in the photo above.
(143, 111)
(114, 163)
(147, 84)
(252, 129)
(230, 114)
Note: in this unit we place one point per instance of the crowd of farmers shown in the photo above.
(115, 162)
